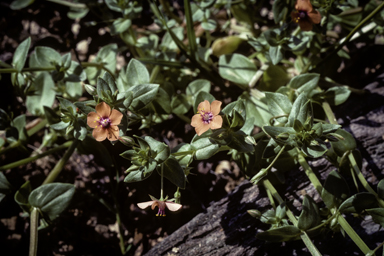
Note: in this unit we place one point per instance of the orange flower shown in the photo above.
(162, 205)
(105, 122)
(207, 117)
(305, 15)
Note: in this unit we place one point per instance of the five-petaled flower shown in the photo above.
(161, 205)
(104, 121)
(207, 117)
(305, 15)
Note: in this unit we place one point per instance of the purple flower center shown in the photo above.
(206, 117)
(303, 14)
(105, 122)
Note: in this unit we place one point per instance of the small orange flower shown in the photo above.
(305, 15)
(161, 205)
(207, 117)
(104, 121)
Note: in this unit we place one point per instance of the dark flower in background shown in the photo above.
(305, 15)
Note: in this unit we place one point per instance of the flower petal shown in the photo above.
(314, 16)
(115, 117)
(196, 120)
(216, 123)
(100, 133)
(215, 107)
(202, 128)
(173, 206)
(92, 119)
(303, 5)
(205, 106)
(113, 133)
(144, 204)
(305, 25)
(103, 109)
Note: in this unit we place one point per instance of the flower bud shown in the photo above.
(90, 89)
(254, 213)
(127, 141)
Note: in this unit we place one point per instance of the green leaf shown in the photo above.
(108, 78)
(143, 94)
(335, 190)
(20, 4)
(377, 215)
(342, 146)
(281, 234)
(21, 53)
(173, 171)
(198, 85)
(101, 154)
(203, 147)
(337, 95)
(21, 196)
(280, 10)
(47, 56)
(358, 203)
(281, 211)
(45, 94)
(273, 79)
(276, 54)
(310, 215)
(184, 159)
(299, 110)
(67, 105)
(279, 134)
(52, 198)
(80, 130)
(161, 102)
(256, 109)
(209, 25)
(180, 104)
(5, 186)
(305, 83)
(113, 5)
(136, 174)
(20, 123)
(380, 189)
(316, 148)
(137, 73)
(278, 105)
(160, 149)
(239, 143)
(237, 69)
(120, 25)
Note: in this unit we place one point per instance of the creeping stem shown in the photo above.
(34, 232)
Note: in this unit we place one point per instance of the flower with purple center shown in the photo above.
(207, 117)
(305, 15)
(161, 204)
(104, 121)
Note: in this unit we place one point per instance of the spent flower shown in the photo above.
(207, 117)
(305, 15)
(104, 121)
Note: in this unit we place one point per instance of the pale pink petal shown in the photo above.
(113, 133)
(217, 122)
(173, 206)
(215, 107)
(202, 128)
(115, 117)
(204, 106)
(144, 204)
(92, 119)
(315, 16)
(103, 109)
(100, 133)
(196, 120)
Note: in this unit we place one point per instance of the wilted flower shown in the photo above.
(104, 121)
(305, 15)
(207, 117)
(161, 205)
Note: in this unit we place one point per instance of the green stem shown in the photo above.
(362, 23)
(40, 125)
(328, 111)
(33, 158)
(60, 164)
(154, 73)
(352, 234)
(162, 183)
(15, 144)
(97, 65)
(304, 236)
(309, 172)
(363, 181)
(34, 232)
(13, 70)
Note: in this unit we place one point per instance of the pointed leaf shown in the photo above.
(173, 171)
(281, 234)
(310, 215)
(335, 190)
